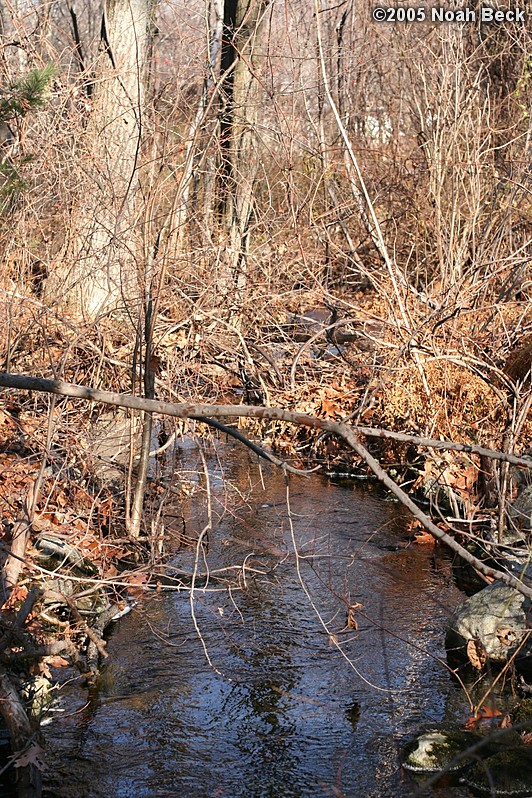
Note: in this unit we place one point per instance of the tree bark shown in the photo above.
(240, 95)
(98, 267)
(19, 537)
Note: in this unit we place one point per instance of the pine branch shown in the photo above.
(26, 94)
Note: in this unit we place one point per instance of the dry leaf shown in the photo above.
(489, 712)
(57, 662)
(506, 635)
(483, 714)
(329, 408)
(476, 654)
(136, 579)
(424, 539)
(34, 755)
(61, 499)
(39, 524)
(17, 595)
(111, 571)
(136, 582)
(351, 621)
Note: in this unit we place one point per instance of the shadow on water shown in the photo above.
(294, 702)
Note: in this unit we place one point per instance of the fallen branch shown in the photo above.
(429, 525)
(349, 434)
(35, 652)
(19, 536)
(204, 413)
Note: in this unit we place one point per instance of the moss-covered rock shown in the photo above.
(495, 619)
(506, 773)
(523, 715)
(439, 749)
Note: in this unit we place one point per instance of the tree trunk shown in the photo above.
(241, 93)
(98, 269)
(29, 781)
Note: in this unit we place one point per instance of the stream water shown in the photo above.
(264, 690)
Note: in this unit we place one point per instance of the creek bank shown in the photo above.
(60, 620)
(71, 598)
(490, 631)
(498, 764)
(492, 627)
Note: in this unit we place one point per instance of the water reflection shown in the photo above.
(293, 703)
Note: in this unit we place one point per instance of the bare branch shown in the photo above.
(201, 412)
(347, 433)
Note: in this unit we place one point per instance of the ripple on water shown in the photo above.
(282, 712)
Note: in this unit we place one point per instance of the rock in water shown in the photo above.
(507, 773)
(436, 750)
(495, 618)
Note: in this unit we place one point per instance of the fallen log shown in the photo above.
(350, 434)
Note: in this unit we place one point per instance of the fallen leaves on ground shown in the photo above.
(424, 539)
(17, 595)
(57, 662)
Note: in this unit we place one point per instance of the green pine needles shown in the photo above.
(26, 94)
(16, 101)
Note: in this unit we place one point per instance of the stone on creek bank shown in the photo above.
(505, 773)
(53, 547)
(440, 749)
(499, 765)
(489, 626)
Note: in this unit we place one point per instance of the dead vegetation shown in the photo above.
(383, 278)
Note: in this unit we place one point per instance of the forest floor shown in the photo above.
(462, 377)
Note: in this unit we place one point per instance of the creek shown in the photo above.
(277, 696)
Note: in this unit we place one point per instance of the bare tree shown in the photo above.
(241, 92)
(99, 258)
